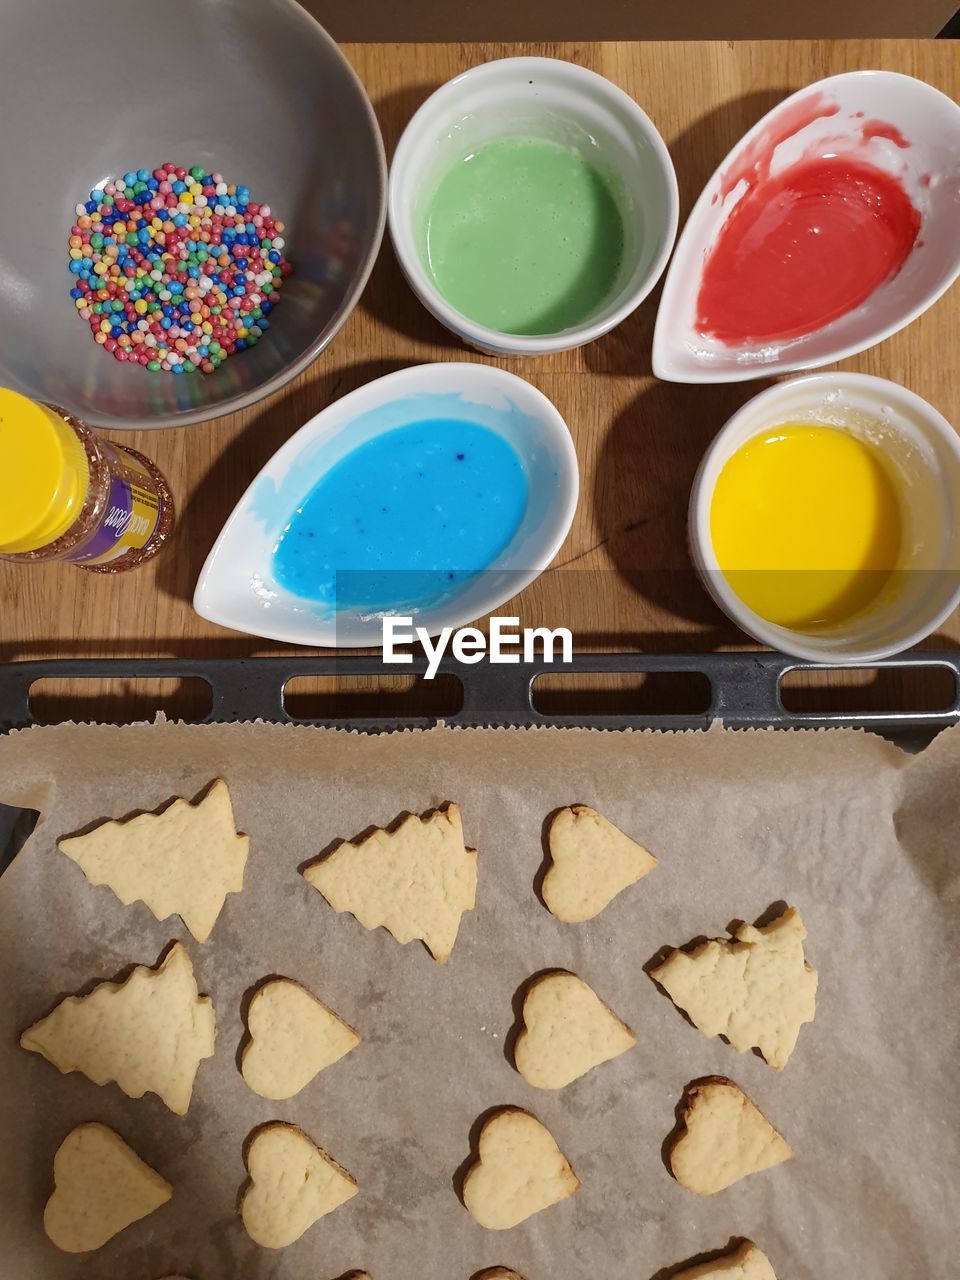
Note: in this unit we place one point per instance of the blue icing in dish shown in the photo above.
(404, 519)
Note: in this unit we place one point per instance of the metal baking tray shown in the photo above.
(744, 693)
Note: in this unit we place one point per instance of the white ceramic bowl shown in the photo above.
(929, 169)
(237, 586)
(560, 102)
(922, 448)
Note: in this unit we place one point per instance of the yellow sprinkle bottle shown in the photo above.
(806, 524)
(65, 494)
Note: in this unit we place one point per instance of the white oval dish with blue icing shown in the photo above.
(439, 492)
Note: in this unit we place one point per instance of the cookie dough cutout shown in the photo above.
(567, 1031)
(756, 990)
(292, 1038)
(180, 860)
(292, 1185)
(416, 879)
(149, 1033)
(593, 861)
(100, 1186)
(519, 1171)
(744, 1262)
(722, 1137)
(498, 1273)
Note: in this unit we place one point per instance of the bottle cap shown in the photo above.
(44, 474)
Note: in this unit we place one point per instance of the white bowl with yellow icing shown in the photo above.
(910, 597)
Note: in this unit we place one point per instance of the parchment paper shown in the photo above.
(857, 835)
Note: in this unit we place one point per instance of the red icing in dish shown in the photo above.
(803, 247)
(753, 163)
(879, 129)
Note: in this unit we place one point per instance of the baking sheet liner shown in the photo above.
(860, 837)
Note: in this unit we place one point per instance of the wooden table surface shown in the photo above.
(622, 580)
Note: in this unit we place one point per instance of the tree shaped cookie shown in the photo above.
(416, 879)
(180, 860)
(722, 1137)
(593, 861)
(148, 1033)
(756, 990)
(100, 1186)
(744, 1262)
(292, 1037)
(292, 1184)
(519, 1171)
(567, 1031)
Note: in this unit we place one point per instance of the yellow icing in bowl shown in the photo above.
(806, 524)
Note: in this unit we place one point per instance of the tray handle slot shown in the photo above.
(888, 688)
(375, 696)
(942, 711)
(121, 699)
(669, 693)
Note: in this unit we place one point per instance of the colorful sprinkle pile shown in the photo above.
(176, 268)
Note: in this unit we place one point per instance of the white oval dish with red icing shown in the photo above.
(902, 127)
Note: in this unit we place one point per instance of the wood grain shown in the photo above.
(622, 580)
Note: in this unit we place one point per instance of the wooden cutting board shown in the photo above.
(622, 580)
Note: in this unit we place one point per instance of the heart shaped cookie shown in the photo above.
(723, 1138)
(519, 1171)
(744, 1262)
(292, 1037)
(100, 1186)
(292, 1183)
(567, 1031)
(593, 861)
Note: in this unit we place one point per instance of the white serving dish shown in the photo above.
(929, 169)
(559, 102)
(237, 587)
(922, 448)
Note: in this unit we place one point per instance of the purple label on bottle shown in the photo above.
(131, 517)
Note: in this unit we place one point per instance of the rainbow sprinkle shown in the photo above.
(176, 268)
